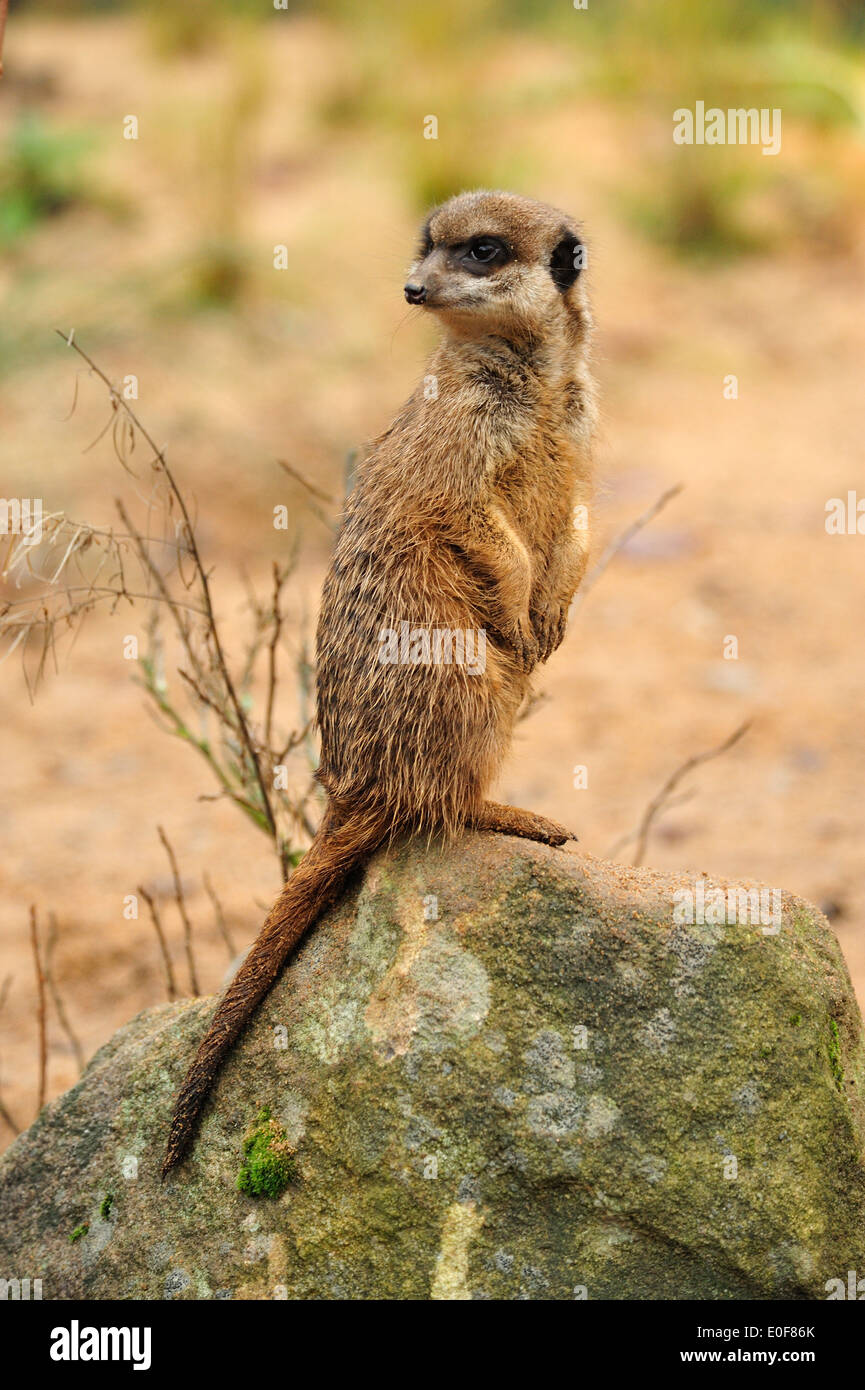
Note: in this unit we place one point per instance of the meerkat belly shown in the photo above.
(538, 484)
(426, 699)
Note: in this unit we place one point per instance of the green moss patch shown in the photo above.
(79, 1232)
(269, 1164)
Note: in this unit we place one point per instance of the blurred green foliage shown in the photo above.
(41, 174)
(643, 58)
(649, 58)
(448, 21)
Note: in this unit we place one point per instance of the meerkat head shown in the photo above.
(495, 263)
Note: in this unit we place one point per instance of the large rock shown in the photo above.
(506, 1072)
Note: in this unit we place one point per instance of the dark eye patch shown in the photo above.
(565, 262)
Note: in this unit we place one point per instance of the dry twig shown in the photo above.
(118, 403)
(663, 799)
(40, 996)
(535, 699)
(170, 982)
(310, 487)
(4, 6)
(242, 755)
(181, 904)
(619, 542)
(220, 918)
(59, 1007)
(5, 1114)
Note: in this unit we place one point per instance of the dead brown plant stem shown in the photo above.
(59, 1006)
(271, 655)
(220, 918)
(184, 916)
(167, 598)
(620, 541)
(663, 797)
(170, 982)
(119, 403)
(40, 998)
(5, 1113)
(304, 482)
(4, 6)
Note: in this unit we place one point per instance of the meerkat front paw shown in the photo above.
(549, 626)
(549, 832)
(524, 644)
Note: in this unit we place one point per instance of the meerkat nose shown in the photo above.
(415, 294)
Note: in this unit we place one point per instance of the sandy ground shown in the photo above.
(306, 367)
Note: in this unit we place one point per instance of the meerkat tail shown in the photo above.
(314, 886)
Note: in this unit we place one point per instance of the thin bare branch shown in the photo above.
(8, 1118)
(181, 904)
(204, 580)
(170, 982)
(5, 1114)
(59, 1006)
(619, 543)
(40, 996)
(220, 918)
(295, 739)
(304, 482)
(4, 6)
(104, 591)
(278, 580)
(663, 799)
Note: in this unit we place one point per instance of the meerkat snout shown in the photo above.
(415, 294)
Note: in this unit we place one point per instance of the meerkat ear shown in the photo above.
(566, 262)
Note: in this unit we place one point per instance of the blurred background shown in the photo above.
(243, 260)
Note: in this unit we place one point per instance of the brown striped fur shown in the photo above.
(461, 518)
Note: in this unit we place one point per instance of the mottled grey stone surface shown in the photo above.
(507, 1073)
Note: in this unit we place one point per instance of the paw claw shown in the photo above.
(553, 833)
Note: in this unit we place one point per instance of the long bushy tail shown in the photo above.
(314, 886)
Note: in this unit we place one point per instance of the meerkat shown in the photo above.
(460, 521)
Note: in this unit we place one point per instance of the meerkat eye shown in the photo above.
(483, 253)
